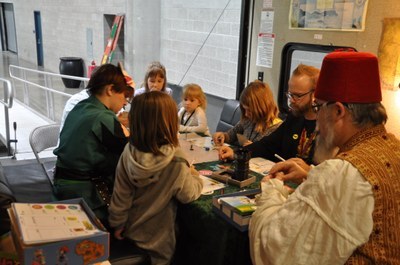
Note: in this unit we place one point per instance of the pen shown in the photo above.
(279, 157)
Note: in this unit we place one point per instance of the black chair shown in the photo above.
(230, 115)
(6, 198)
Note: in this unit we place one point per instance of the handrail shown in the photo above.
(8, 103)
(21, 76)
(11, 67)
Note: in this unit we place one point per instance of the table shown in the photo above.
(198, 149)
(204, 238)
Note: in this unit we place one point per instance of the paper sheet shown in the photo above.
(210, 185)
(260, 165)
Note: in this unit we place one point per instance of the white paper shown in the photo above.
(210, 185)
(260, 165)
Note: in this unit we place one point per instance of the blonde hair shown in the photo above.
(153, 122)
(194, 91)
(155, 69)
(258, 97)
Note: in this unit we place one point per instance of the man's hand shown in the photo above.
(290, 170)
(225, 153)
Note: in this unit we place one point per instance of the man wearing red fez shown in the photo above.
(347, 209)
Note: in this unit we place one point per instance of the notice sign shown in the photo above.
(265, 49)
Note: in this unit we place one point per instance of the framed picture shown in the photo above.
(339, 15)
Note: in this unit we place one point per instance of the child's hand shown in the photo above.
(219, 138)
(123, 118)
(247, 143)
(118, 233)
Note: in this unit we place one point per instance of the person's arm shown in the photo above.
(197, 123)
(122, 197)
(269, 145)
(231, 136)
(324, 220)
(111, 134)
(188, 184)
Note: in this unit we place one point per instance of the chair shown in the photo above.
(45, 138)
(230, 115)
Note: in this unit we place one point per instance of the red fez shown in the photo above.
(349, 77)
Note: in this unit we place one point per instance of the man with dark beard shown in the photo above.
(347, 208)
(295, 136)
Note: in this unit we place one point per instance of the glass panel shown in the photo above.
(197, 42)
(292, 55)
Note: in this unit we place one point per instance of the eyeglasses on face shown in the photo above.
(296, 97)
(316, 107)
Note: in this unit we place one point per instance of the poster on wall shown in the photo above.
(337, 15)
(265, 49)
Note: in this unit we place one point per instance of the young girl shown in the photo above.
(192, 116)
(259, 116)
(151, 177)
(155, 79)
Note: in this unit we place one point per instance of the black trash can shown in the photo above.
(71, 66)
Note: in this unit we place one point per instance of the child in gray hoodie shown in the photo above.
(151, 176)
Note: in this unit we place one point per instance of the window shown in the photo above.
(294, 54)
(197, 41)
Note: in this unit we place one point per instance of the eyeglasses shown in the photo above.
(128, 99)
(297, 97)
(316, 107)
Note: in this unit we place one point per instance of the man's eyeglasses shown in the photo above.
(297, 97)
(316, 107)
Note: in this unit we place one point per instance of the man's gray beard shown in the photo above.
(324, 148)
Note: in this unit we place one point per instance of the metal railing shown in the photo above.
(30, 84)
(7, 101)
(44, 83)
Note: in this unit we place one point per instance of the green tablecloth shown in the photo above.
(204, 237)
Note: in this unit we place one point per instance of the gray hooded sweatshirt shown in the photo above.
(144, 202)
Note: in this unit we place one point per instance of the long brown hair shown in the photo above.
(258, 97)
(153, 122)
(153, 69)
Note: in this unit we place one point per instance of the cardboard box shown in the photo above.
(87, 249)
(239, 221)
(8, 254)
